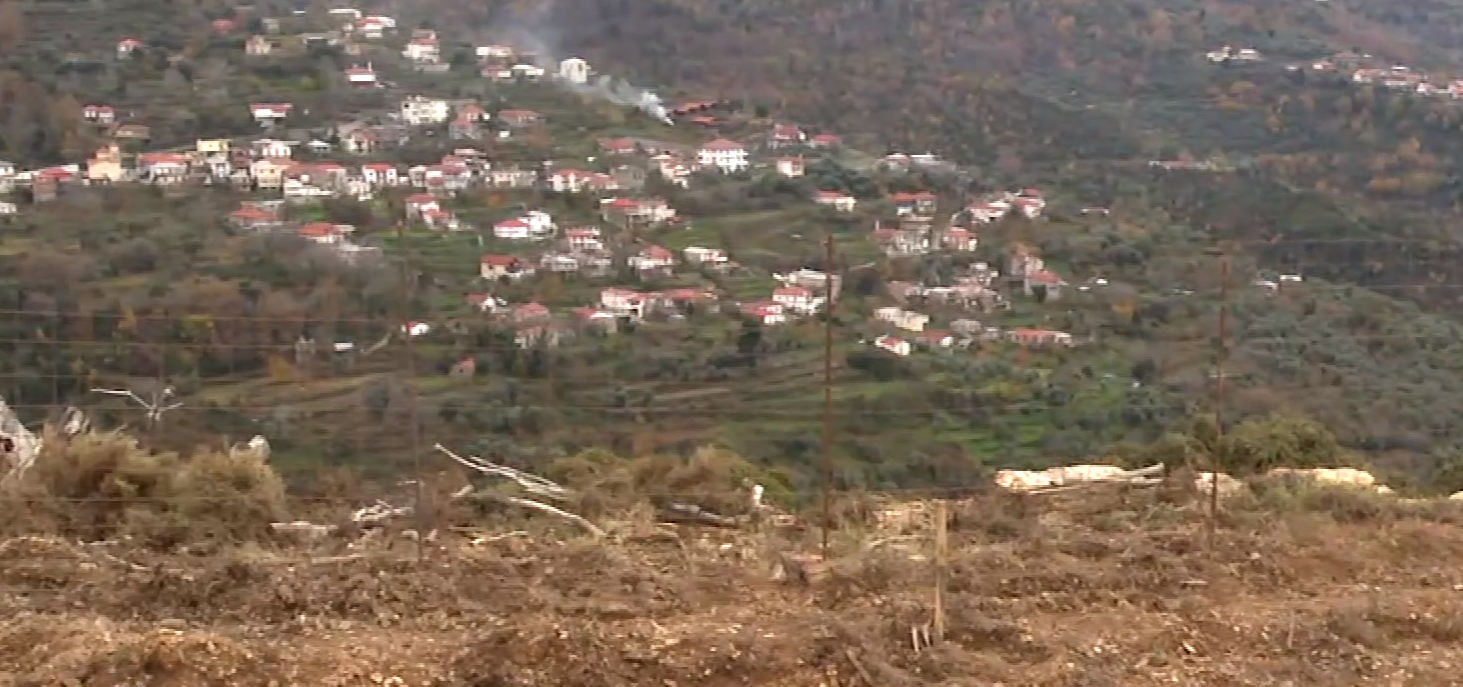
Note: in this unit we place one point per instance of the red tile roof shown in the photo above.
(723, 144)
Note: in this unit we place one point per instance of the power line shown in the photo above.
(807, 494)
(471, 349)
(719, 412)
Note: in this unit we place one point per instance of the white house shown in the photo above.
(440, 219)
(531, 226)
(704, 256)
(838, 201)
(501, 53)
(648, 210)
(576, 180)
(419, 111)
(373, 27)
(960, 239)
(380, 174)
(101, 114)
(985, 213)
(419, 203)
(766, 313)
(361, 76)
(493, 267)
(584, 239)
(300, 191)
(423, 51)
(792, 167)
(324, 233)
(512, 230)
(723, 154)
(271, 148)
(797, 298)
(624, 302)
(574, 70)
(163, 168)
(269, 114)
(127, 46)
(539, 222)
(527, 71)
(898, 347)
(903, 319)
(652, 258)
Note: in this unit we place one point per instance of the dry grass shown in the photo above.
(1114, 588)
(1301, 585)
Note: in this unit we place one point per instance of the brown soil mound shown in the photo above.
(1120, 592)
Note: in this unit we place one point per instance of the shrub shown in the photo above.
(102, 485)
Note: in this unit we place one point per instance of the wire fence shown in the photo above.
(237, 374)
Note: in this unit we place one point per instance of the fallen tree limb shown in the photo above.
(546, 508)
(686, 513)
(1095, 484)
(529, 482)
(891, 540)
(859, 666)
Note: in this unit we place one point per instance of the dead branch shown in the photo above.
(479, 541)
(685, 513)
(529, 482)
(545, 508)
(891, 540)
(859, 666)
(1095, 484)
(378, 345)
(378, 512)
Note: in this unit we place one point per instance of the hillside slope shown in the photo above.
(915, 73)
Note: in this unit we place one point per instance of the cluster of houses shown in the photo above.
(1229, 54)
(908, 329)
(582, 249)
(1366, 69)
(913, 230)
(802, 293)
(269, 164)
(421, 48)
(535, 324)
(268, 217)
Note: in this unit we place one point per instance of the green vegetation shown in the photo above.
(1351, 188)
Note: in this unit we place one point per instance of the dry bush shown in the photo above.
(712, 478)
(1294, 494)
(225, 497)
(101, 485)
(998, 516)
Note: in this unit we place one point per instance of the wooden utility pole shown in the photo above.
(409, 366)
(828, 298)
(1221, 357)
(942, 551)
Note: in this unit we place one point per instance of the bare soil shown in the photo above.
(1120, 591)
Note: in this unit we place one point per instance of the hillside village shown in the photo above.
(291, 216)
(283, 172)
(1358, 68)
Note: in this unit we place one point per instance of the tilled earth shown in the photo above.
(1128, 595)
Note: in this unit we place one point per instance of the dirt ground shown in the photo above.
(1111, 590)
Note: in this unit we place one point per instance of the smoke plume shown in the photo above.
(535, 34)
